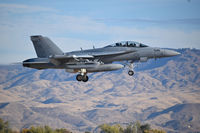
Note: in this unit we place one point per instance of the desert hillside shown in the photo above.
(164, 93)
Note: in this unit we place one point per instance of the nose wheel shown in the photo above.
(131, 67)
(130, 73)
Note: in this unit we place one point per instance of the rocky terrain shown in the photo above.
(164, 93)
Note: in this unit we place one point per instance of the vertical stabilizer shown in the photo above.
(44, 47)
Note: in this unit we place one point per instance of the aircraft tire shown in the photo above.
(85, 78)
(79, 77)
(130, 73)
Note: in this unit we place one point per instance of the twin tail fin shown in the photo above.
(44, 47)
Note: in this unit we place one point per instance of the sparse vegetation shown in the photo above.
(4, 127)
(132, 128)
(105, 128)
(45, 129)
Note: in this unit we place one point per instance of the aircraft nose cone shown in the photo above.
(169, 53)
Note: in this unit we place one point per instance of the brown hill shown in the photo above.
(53, 97)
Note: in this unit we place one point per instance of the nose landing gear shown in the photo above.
(131, 67)
(130, 73)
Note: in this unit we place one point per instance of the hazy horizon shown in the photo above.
(74, 24)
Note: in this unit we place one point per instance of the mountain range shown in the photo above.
(163, 92)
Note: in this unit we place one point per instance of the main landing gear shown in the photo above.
(82, 76)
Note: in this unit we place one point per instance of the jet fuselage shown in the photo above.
(92, 60)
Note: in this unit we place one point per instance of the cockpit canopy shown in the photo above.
(127, 44)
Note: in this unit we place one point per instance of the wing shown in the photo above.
(60, 59)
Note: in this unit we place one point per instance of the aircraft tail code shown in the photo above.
(44, 47)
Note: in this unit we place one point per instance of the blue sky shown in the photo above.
(72, 24)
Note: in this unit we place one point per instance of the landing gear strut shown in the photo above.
(131, 67)
(82, 76)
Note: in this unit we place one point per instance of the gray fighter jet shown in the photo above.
(92, 60)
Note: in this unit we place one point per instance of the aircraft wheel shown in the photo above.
(130, 73)
(79, 77)
(85, 78)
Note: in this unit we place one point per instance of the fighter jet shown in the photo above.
(83, 62)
